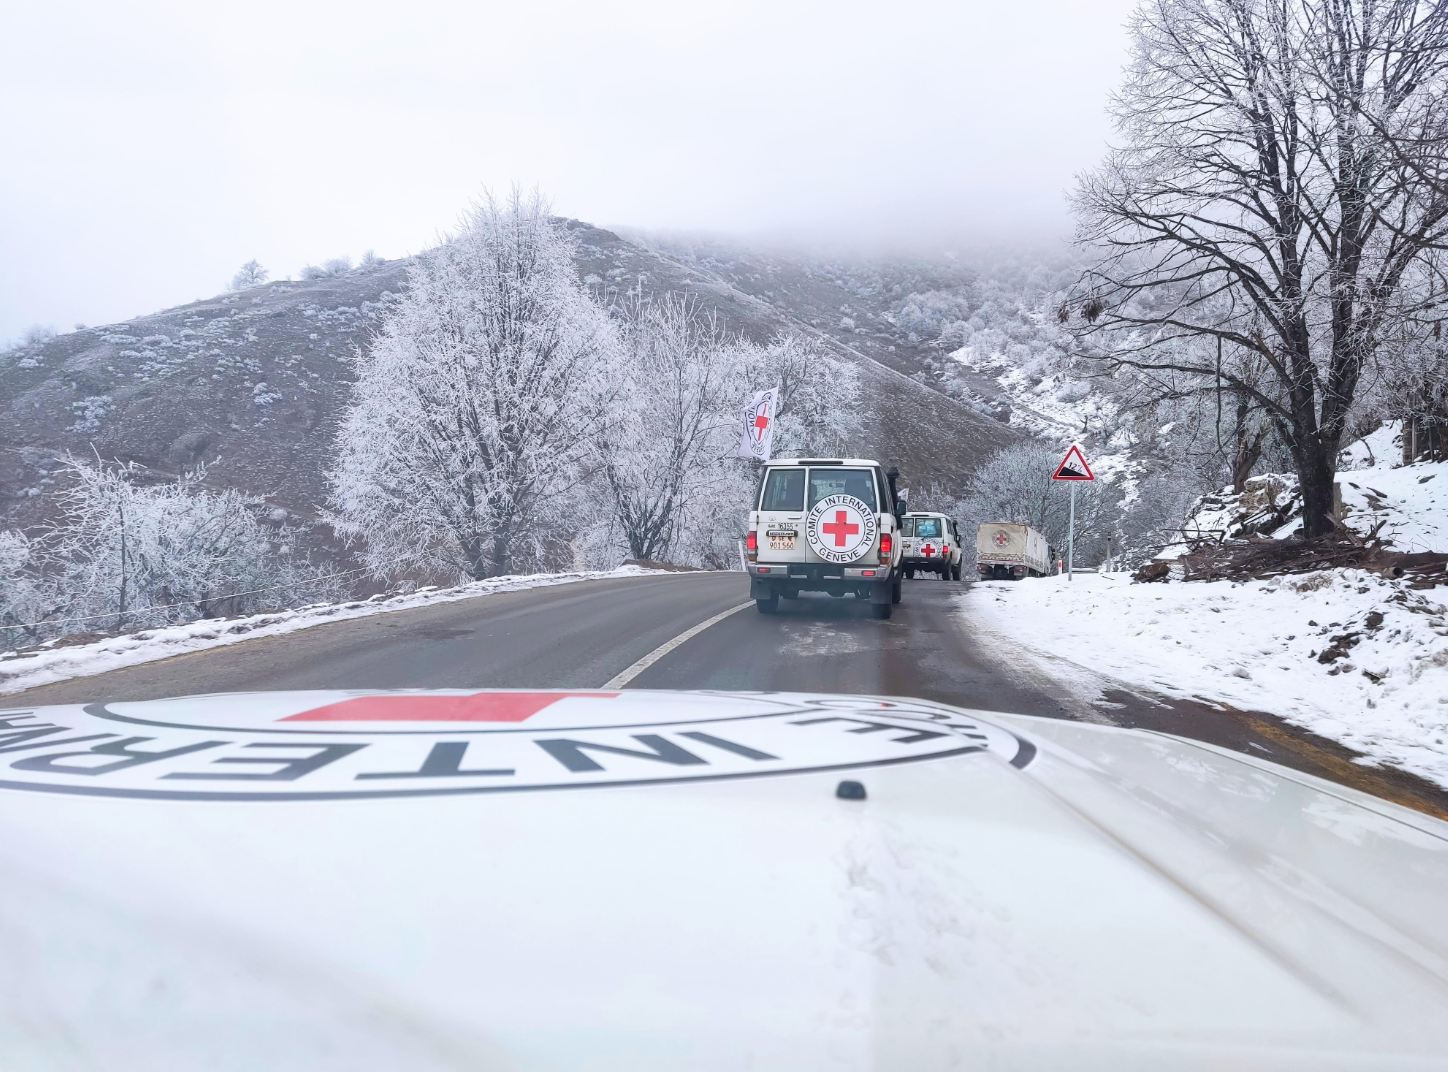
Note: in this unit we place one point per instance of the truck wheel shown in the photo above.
(897, 590)
(767, 606)
(881, 610)
(910, 575)
(955, 573)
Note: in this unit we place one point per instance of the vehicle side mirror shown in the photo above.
(892, 475)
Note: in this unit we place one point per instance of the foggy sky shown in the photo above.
(151, 147)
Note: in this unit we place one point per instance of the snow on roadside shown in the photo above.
(20, 671)
(1343, 653)
(1406, 504)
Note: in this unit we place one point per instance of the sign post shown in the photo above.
(1073, 468)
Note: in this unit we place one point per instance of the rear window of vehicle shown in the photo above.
(907, 527)
(783, 490)
(927, 526)
(857, 482)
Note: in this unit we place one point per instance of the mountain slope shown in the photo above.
(253, 384)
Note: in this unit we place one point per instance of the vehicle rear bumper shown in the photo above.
(765, 577)
(1002, 570)
(936, 563)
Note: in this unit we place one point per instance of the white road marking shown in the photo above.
(618, 681)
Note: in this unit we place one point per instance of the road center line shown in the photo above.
(618, 681)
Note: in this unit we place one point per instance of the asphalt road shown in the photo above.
(583, 635)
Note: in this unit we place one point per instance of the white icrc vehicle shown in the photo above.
(825, 525)
(652, 881)
(931, 545)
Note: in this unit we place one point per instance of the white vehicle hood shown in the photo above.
(655, 880)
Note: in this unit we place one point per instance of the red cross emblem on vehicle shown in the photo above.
(1001, 539)
(839, 528)
(928, 550)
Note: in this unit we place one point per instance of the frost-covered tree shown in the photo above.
(1279, 187)
(674, 424)
(818, 397)
(476, 404)
(251, 274)
(667, 463)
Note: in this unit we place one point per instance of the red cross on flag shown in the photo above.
(756, 426)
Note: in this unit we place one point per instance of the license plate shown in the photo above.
(781, 543)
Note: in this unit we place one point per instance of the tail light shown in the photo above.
(887, 543)
(751, 542)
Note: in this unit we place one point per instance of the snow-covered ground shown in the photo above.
(1407, 504)
(29, 669)
(1343, 653)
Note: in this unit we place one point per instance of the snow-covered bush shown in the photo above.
(126, 552)
(926, 314)
(22, 593)
(125, 547)
(328, 269)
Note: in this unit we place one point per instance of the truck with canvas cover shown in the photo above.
(825, 525)
(1010, 550)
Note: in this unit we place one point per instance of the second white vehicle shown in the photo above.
(932, 545)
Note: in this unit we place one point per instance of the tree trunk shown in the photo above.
(477, 561)
(1315, 473)
(1248, 450)
(502, 554)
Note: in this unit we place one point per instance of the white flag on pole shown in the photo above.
(756, 426)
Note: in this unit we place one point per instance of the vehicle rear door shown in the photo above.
(780, 521)
(929, 539)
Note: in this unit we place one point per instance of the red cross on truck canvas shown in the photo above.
(1073, 466)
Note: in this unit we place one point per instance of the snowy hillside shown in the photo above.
(251, 383)
(1346, 653)
(1405, 505)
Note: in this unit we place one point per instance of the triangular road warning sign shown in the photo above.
(1073, 466)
